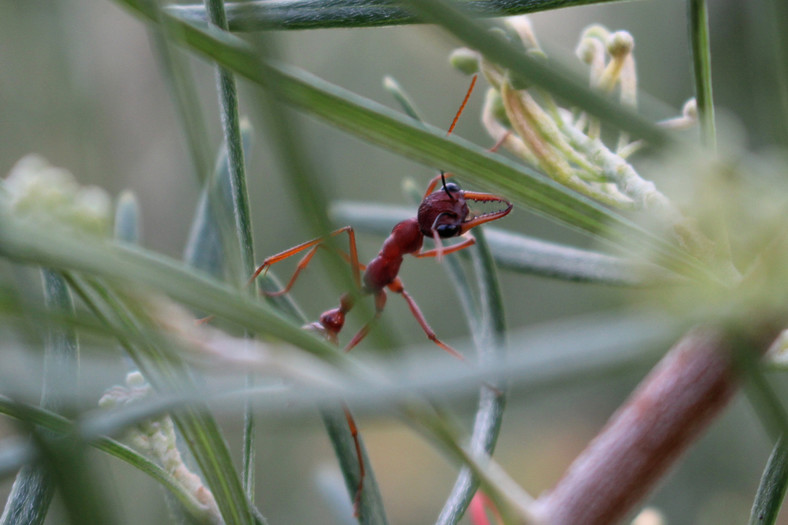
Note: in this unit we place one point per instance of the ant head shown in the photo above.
(443, 211)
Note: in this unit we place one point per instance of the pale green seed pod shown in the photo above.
(465, 60)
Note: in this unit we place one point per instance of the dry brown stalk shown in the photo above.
(666, 413)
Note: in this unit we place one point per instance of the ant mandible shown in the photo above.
(443, 214)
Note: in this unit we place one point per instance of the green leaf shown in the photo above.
(313, 14)
(127, 263)
(59, 425)
(168, 374)
(771, 490)
(429, 145)
(31, 493)
(33, 487)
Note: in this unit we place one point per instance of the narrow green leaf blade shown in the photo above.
(427, 144)
(771, 491)
(34, 487)
(313, 14)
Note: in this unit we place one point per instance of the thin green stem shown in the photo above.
(762, 396)
(406, 103)
(248, 445)
(489, 334)
(228, 102)
(371, 510)
(212, 242)
(512, 502)
(701, 62)
(21, 241)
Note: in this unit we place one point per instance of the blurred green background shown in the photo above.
(80, 86)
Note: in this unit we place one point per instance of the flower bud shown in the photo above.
(596, 32)
(620, 44)
(37, 191)
(587, 50)
(465, 60)
(690, 109)
(522, 25)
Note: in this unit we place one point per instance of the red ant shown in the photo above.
(443, 214)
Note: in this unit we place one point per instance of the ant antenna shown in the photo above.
(443, 182)
(454, 123)
(462, 106)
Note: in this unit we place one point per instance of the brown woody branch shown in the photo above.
(645, 437)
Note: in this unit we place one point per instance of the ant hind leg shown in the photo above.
(380, 303)
(312, 246)
(351, 423)
(398, 287)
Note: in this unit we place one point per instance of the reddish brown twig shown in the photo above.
(644, 438)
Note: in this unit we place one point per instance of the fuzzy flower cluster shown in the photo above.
(156, 439)
(37, 191)
(565, 143)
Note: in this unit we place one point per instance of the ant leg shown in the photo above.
(397, 287)
(312, 247)
(351, 423)
(302, 264)
(434, 182)
(380, 303)
(438, 252)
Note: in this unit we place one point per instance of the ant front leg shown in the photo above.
(467, 241)
(312, 246)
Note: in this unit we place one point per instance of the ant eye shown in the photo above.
(452, 187)
(447, 230)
